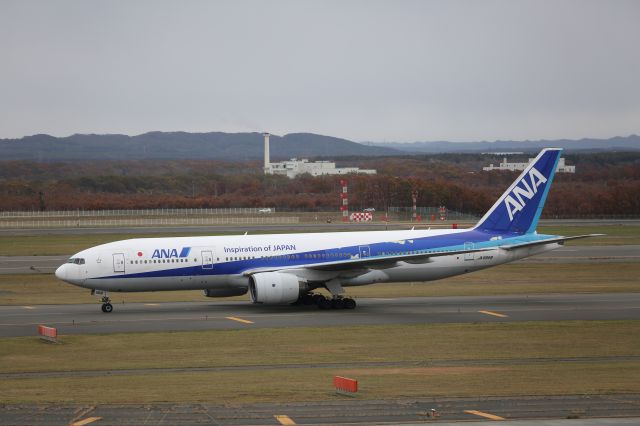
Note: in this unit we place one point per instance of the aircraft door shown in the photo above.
(468, 256)
(207, 259)
(118, 263)
(365, 251)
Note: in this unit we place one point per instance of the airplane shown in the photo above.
(287, 268)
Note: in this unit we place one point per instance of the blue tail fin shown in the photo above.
(519, 208)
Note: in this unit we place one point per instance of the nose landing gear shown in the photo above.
(107, 307)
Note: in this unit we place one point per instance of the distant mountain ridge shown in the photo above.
(181, 146)
(249, 146)
(618, 143)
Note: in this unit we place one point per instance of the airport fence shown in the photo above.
(132, 222)
(138, 212)
(427, 212)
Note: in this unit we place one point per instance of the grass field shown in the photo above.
(518, 359)
(506, 279)
(291, 364)
(49, 245)
(615, 234)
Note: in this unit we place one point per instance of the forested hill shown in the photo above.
(249, 146)
(181, 146)
(618, 143)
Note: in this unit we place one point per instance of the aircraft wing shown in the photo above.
(547, 241)
(370, 262)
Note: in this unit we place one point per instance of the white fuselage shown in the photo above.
(222, 263)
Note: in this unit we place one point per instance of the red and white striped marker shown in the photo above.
(414, 197)
(344, 196)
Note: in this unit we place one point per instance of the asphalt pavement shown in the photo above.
(181, 316)
(590, 410)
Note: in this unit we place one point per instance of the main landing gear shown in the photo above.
(322, 302)
(107, 307)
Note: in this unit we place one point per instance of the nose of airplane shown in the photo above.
(61, 272)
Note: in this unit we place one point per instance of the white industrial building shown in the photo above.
(292, 168)
(562, 167)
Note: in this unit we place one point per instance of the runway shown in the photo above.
(182, 316)
(569, 254)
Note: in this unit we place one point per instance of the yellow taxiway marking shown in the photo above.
(486, 415)
(86, 421)
(151, 304)
(495, 314)
(241, 320)
(284, 420)
(28, 307)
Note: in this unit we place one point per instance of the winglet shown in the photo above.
(518, 209)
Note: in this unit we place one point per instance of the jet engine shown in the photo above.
(274, 288)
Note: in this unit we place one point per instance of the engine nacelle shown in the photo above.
(225, 291)
(274, 288)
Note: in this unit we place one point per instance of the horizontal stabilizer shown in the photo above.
(548, 241)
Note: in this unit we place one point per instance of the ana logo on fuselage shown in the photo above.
(524, 191)
(169, 253)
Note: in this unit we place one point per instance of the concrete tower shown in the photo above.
(267, 160)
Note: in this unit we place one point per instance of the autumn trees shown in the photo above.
(604, 185)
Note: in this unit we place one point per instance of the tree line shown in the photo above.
(605, 184)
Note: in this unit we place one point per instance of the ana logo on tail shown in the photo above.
(523, 191)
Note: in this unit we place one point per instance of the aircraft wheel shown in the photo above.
(349, 303)
(307, 299)
(107, 308)
(337, 303)
(323, 303)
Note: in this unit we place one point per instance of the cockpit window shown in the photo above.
(76, 260)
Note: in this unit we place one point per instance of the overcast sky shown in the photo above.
(363, 70)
